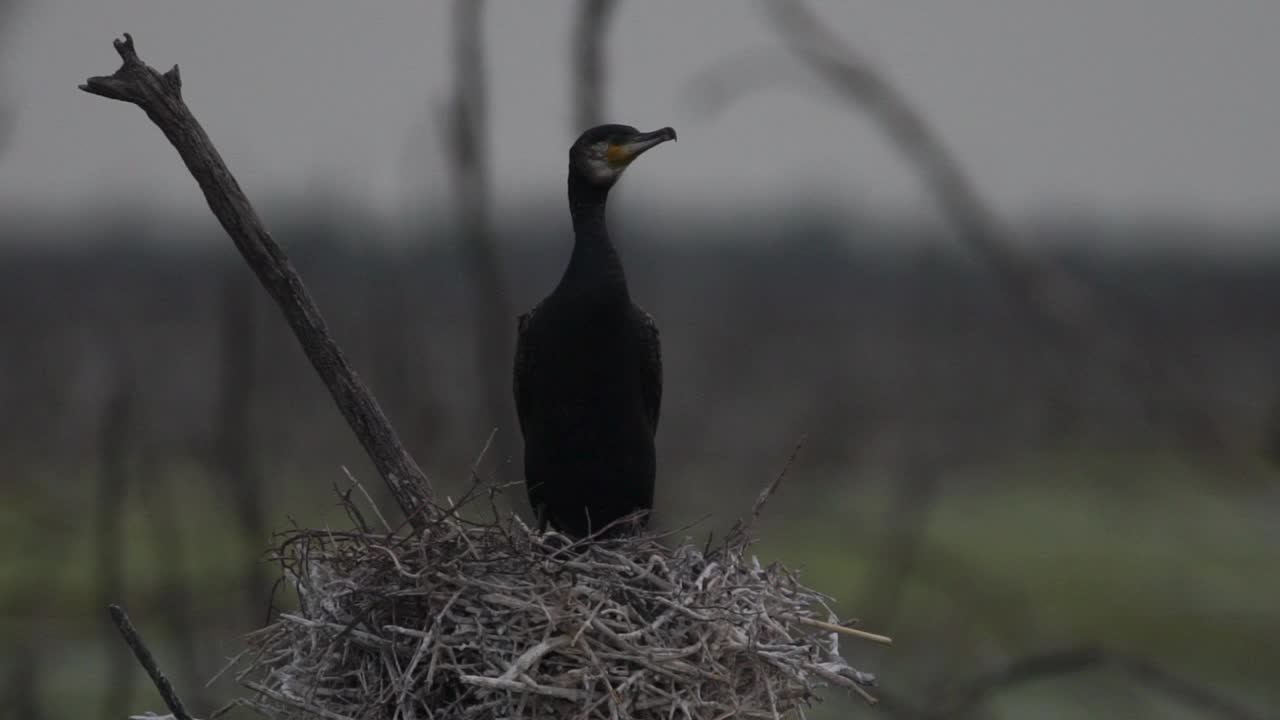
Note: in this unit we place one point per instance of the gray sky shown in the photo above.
(1116, 106)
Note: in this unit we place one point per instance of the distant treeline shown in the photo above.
(857, 334)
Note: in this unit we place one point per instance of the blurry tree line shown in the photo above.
(848, 330)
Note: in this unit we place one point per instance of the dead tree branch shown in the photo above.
(590, 66)
(148, 663)
(1069, 309)
(1188, 691)
(1044, 287)
(469, 155)
(160, 96)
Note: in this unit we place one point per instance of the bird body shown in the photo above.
(588, 368)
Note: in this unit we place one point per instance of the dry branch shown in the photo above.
(160, 96)
(1071, 311)
(743, 529)
(148, 663)
(1043, 286)
(1189, 691)
(590, 67)
(469, 155)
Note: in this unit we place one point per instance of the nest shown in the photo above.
(471, 619)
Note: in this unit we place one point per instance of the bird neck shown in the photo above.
(595, 265)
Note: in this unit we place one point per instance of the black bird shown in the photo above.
(588, 367)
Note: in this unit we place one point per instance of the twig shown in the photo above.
(742, 530)
(367, 498)
(843, 630)
(837, 679)
(148, 662)
(758, 506)
(512, 685)
(1186, 691)
(1039, 666)
(160, 96)
(532, 656)
(294, 702)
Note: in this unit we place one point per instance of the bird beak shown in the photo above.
(624, 152)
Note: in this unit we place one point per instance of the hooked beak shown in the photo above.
(623, 153)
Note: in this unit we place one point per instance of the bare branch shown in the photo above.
(148, 662)
(740, 533)
(469, 126)
(1057, 295)
(1067, 307)
(757, 507)
(590, 67)
(1030, 668)
(160, 96)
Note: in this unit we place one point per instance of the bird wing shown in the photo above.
(521, 369)
(652, 378)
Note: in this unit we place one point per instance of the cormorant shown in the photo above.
(588, 365)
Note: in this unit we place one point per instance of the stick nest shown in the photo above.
(483, 620)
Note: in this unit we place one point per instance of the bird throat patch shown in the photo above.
(618, 156)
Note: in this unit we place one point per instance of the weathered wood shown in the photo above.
(148, 662)
(160, 96)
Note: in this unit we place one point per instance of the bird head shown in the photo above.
(601, 154)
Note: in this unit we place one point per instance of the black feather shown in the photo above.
(588, 381)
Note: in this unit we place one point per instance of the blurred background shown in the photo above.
(1008, 269)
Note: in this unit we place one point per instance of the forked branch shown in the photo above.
(160, 96)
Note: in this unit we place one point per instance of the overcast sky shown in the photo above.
(1117, 106)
